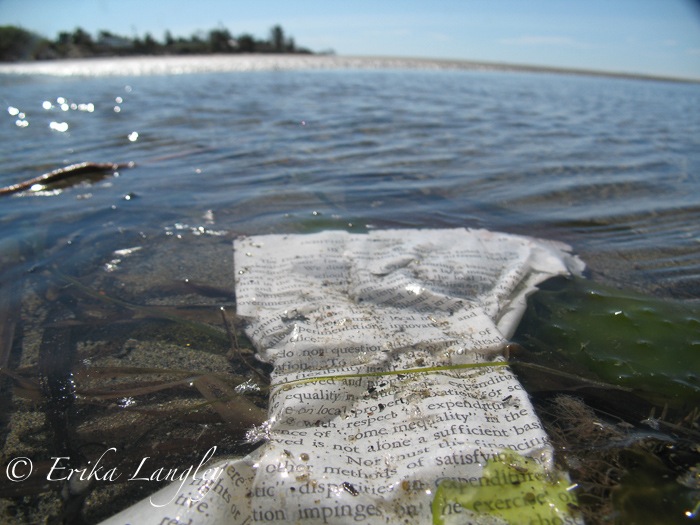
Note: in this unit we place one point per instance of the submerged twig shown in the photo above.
(9, 314)
(9, 302)
(236, 411)
(24, 387)
(155, 312)
(236, 350)
(61, 174)
(184, 377)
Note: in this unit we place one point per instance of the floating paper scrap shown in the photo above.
(391, 401)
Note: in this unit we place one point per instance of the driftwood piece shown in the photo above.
(61, 174)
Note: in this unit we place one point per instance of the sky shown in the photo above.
(652, 37)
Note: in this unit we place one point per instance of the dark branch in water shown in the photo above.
(236, 349)
(61, 174)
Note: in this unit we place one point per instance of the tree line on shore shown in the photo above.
(18, 44)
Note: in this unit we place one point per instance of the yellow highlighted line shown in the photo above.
(425, 370)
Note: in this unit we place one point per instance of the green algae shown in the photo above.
(646, 344)
(650, 489)
(514, 489)
(630, 435)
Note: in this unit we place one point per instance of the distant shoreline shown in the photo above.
(187, 64)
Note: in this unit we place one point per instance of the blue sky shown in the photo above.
(658, 37)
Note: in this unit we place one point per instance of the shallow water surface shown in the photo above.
(125, 270)
(607, 165)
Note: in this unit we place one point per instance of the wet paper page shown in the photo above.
(391, 400)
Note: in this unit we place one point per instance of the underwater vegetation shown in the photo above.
(92, 376)
(615, 379)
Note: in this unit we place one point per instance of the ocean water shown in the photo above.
(223, 147)
(608, 165)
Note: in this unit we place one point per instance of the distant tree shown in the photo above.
(195, 44)
(82, 39)
(289, 46)
(277, 39)
(220, 41)
(62, 44)
(246, 43)
(150, 46)
(19, 44)
(15, 43)
(64, 38)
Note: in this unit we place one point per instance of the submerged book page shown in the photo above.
(391, 400)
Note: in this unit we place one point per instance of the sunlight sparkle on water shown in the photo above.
(133, 136)
(21, 121)
(65, 106)
(59, 126)
(127, 402)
